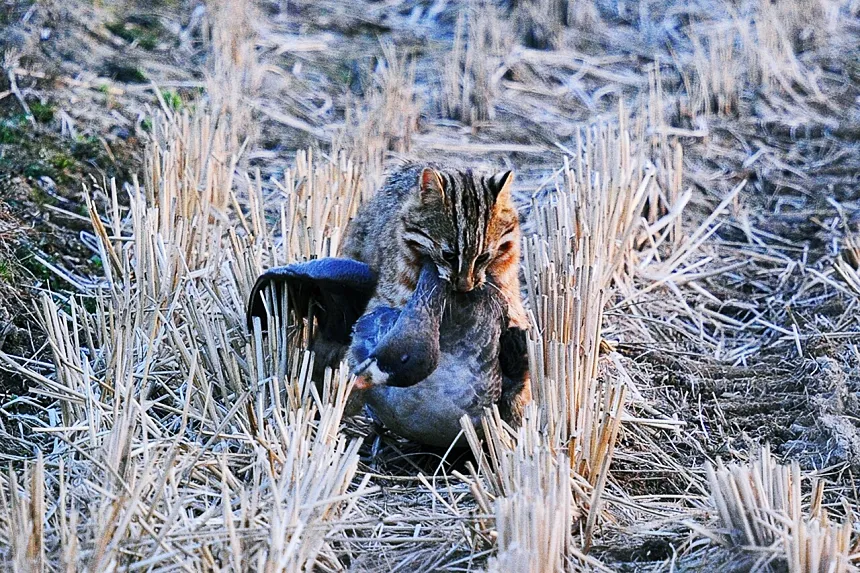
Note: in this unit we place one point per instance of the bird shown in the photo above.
(335, 293)
(418, 369)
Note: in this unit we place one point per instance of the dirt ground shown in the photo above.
(759, 345)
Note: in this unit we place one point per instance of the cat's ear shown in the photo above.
(430, 184)
(500, 184)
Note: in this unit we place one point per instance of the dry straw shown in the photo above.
(160, 452)
(762, 507)
(848, 263)
(584, 237)
(474, 68)
(170, 439)
(385, 120)
(233, 71)
(540, 23)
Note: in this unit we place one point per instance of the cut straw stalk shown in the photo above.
(474, 68)
(385, 121)
(233, 73)
(533, 487)
(848, 263)
(584, 237)
(318, 198)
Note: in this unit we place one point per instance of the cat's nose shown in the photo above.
(465, 284)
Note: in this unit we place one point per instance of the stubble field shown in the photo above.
(688, 175)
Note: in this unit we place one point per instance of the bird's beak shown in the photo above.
(368, 374)
(363, 383)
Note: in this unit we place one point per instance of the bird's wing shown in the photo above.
(514, 353)
(337, 289)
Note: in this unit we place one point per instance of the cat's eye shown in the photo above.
(482, 259)
(449, 257)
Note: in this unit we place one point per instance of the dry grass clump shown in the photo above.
(540, 23)
(762, 507)
(584, 235)
(385, 120)
(774, 34)
(764, 46)
(171, 440)
(716, 83)
(473, 69)
(188, 159)
(233, 72)
(316, 200)
(848, 263)
(532, 491)
(534, 504)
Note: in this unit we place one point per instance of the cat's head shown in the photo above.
(465, 222)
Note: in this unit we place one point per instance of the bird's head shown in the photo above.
(402, 359)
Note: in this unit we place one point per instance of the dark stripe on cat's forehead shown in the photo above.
(461, 221)
(467, 222)
(451, 196)
(468, 214)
